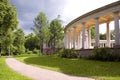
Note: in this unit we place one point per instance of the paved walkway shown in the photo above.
(38, 73)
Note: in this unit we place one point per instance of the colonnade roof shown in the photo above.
(102, 19)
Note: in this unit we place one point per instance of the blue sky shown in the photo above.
(68, 9)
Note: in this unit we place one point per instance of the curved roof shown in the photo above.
(93, 12)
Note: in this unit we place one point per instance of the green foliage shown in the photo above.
(19, 37)
(93, 33)
(19, 42)
(69, 53)
(104, 54)
(8, 23)
(8, 17)
(31, 42)
(56, 34)
(41, 29)
(7, 73)
(35, 51)
(102, 36)
(21, 49)
(29, 52)
(4, 1)
(112, 35)
(77, 67)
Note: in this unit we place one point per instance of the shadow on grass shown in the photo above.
(77, 67)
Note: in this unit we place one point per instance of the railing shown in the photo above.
(103, 43)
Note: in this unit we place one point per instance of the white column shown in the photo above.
(117, 33)
(86, 39)
(89, 38)
(74, 40)
(108, 34)
(79, 40)
(83, 35)
(66, 39)
(80, 44)
(97, 31)
(69, 40)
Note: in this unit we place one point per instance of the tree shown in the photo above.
(19, 41)
(102, 36)
(93, 33)
(8, 22)
(32, 42)
(7, 42)
(56, 35)
(41, 29)
(112, 35)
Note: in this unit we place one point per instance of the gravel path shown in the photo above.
(38, 73)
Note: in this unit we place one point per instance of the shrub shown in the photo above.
(69, 53)
(35, 51)
(29, 52)
(104, 54)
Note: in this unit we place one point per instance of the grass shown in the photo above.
(77, 67)
(7, 74)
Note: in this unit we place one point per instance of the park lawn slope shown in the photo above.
(77, 67)
(7, 74)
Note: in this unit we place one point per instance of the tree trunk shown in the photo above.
(40, 50)
(54, 46)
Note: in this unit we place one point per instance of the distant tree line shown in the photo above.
(102, 36)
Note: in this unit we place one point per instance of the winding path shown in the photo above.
(38, 73)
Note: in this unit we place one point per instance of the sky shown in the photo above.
(68, 9)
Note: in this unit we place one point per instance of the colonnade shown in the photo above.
(81, 39)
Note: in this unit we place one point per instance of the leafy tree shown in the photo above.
(32, 42)
(93, 33)
(8, 23)
(56, 34)
(41, 29)
(19, 41)
(102, 36)
(7, 42)
(112, 35)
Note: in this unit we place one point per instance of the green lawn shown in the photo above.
(7, 74)
(77, 67)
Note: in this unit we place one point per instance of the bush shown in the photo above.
(35, 51)
(69, 53)
(104, 54)
(29, 52)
